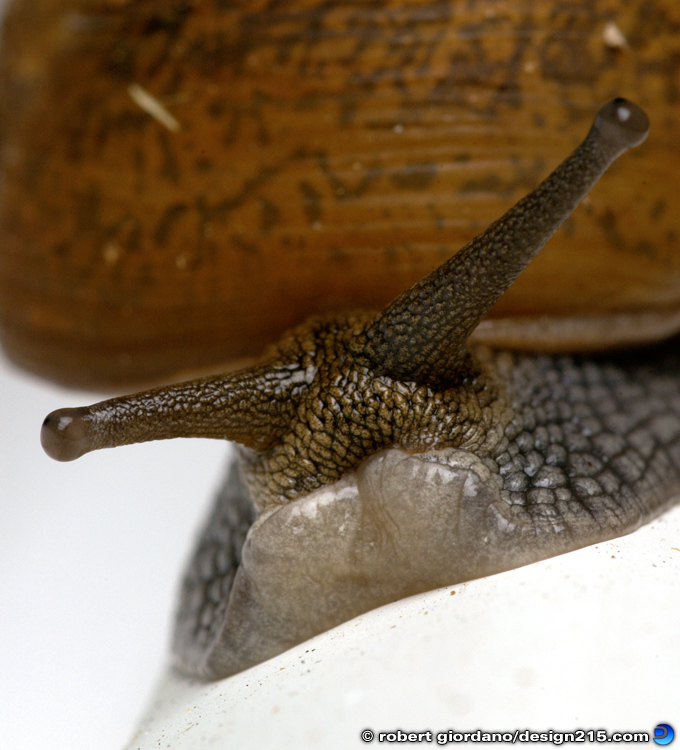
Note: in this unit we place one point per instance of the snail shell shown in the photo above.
(174, 171)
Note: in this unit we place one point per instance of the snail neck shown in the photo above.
(348, 411)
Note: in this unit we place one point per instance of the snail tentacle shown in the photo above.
(251, 407)
(421, 336)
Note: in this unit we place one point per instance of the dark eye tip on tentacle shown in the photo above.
(64, 435)
(622, 123)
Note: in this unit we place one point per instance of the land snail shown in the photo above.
(382, 453)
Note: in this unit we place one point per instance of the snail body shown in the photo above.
(178, 210)
(433, 461)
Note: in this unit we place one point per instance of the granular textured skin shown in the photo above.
(590, 449)
(592, 437)
(346, 412)
(455, 297)
(209, 579)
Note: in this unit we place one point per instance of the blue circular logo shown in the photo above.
(663, 734)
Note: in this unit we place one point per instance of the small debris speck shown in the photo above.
(153, 107)
(613, 36)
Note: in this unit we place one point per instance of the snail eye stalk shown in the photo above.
(249, 407)
(421, 336)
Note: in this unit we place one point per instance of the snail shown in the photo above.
(382, 456)
(514, 457)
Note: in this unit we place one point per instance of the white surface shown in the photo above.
(587, 640)
(90, 557)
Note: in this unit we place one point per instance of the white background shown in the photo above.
(90, 557)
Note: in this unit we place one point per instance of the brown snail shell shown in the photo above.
(184, 181)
